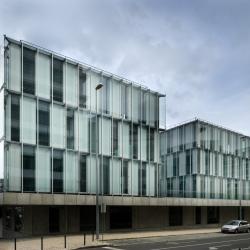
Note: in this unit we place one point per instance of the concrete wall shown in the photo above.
(36, 218)
(149, 217)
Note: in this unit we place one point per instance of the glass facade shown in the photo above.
(202, 160)
(54, 132)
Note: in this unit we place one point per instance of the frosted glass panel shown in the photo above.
(14, 67)
(150, 179)
(95, 80)
(14, 167)
(125, 135)
(136, 104)
(105, 136)
(58, 126)
(71, 173)
(43, 170)
(43, 74)
(144, 144)
(71, 85)
(83, 132)
(116, 99)
(91, 174)
(135, 167)
(115, 177)
(29, 121)
(8, 117)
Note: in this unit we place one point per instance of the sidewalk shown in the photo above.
(76, 241)
(146, 234)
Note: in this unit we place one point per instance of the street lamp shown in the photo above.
(98, 87)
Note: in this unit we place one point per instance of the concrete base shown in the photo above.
(35, 220)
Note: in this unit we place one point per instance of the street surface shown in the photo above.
(211, 241)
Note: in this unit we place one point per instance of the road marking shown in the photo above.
(201, 244)
(216, 247)
(112, 248)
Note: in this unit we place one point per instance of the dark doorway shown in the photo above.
(87, 218)
(120, 217)
(54, 220)
(213, 215)
(175, 216)
(198, 215)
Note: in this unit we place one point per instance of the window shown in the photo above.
(175, 216)
(124, 101)
(197, 215)
(142, 181)
(115, 137)
(135, 141)
(29, 169)
(152, 144)
(44, 123)
(57, 171)
(93, 134)
(70, 129)
(106, 95)
(82, 89)
(105, 175)
(125, 177)
(212, 215)
(57, 80)
(29, 71)
(83, 173)
(188, 161)
(15, 118)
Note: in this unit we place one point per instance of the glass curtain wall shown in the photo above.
(52, 115)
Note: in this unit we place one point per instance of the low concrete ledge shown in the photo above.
(9, 198)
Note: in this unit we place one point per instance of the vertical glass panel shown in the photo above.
(117, 99)
(126, 101)
(6, 120)
(144, 107)
(136, 98)
(105, 134)
(126, 145)
(43, 73)
(71, 174)
(14, 70)
(153, 110)
(95, 80)
(116, 176)
(135, 178)
(44, 123)
(29, 121)
(29, 71)
(125, 175)
(115, 138)
(152, 144)
(93, 134)
(57, 80)
(29, 169)
(142, 179)
(70, 129)
(83, 132)
(144, 143)
(43, 169)
(14, 167)
(58, 171)
(105, 173)
(82, 89)
(58, 126)
(83, 173)
(15, 118)
(105, 95)
(91, 174)
(71, 84)
(135, 141)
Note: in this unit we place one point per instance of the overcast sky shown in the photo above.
(198, 52)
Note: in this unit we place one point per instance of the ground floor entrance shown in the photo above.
(43, 220)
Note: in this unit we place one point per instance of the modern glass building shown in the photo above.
(60, 132)
(203, 160)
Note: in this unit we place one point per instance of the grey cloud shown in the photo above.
(198, 52)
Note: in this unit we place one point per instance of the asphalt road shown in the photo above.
(211, 241)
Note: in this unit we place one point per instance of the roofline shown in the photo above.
(206, 122)
(86, 66)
